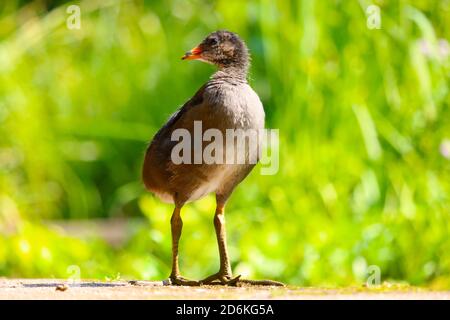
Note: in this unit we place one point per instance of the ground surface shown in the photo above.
(61, 289)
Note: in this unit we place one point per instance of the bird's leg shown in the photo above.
(177, 225)
(224, 276)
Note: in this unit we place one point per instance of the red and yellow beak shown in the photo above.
(193, 54)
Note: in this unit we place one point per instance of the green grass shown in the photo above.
(362, 116)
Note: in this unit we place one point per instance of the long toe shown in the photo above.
(181, 281)
(220, 279)
(261, 282)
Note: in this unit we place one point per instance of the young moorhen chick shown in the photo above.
(226, 101)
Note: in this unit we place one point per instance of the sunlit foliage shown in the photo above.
(363, 116)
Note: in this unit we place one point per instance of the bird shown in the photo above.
(225, 102)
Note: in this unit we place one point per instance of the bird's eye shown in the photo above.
(213, 41)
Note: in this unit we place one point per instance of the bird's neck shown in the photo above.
(233, 71)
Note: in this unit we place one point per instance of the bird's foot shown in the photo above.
(220, 279)
(181, 281)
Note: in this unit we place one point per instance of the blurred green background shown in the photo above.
(363, 116)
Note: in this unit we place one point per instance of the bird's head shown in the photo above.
(222, 48)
